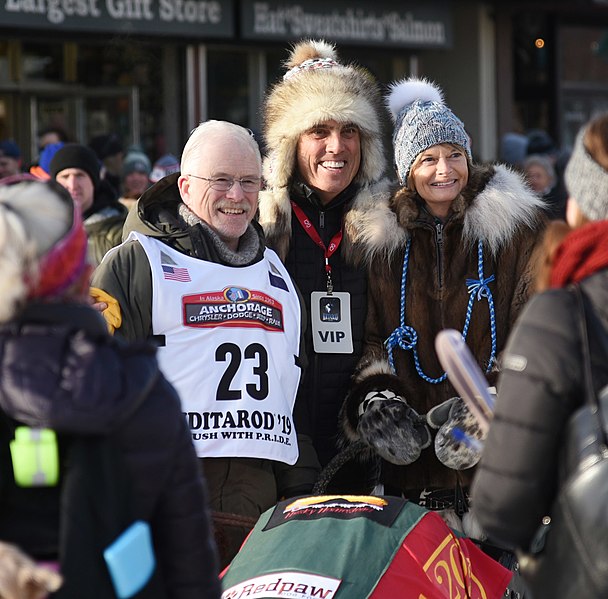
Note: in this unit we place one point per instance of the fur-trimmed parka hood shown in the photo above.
(495, 204)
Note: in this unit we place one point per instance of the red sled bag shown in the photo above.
(359, 547)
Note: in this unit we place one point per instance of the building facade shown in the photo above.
(151, 70)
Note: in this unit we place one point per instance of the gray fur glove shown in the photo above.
(394, 430)
(451, 446)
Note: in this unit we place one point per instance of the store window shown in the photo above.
(42, 62)
(228, 86)
(586, 58)
(534, 50)
(584, 77)
(4, 62)
(129, 75)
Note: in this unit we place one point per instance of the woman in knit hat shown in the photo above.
(455, 253)
(70, 393)
(324, 171)
(542, 382)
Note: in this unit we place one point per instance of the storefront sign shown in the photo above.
(398, 24)
(198, 18)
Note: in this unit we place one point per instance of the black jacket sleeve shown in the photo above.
(538, 389)
(170, 491)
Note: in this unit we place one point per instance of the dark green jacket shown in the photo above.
(125, 275)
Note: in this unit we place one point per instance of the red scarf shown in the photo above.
(582, 253)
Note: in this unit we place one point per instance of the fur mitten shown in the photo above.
(459, 440)
(392, 428)
(376, 412)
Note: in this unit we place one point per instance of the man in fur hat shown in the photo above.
(324, 170)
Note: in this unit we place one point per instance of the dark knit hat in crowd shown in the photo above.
(422, 120)
(76, 156)
(136, 161)
(317, 88)
(587, 181)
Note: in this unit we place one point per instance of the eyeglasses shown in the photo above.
(226, 183)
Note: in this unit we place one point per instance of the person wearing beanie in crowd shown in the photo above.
(50, 139)
(165, 165)
(10, 158)
(76, 167)
(542, 381)
(194, 274)
(325, 170)
(513, 148)
(456, 252)
(540, 174)
(540, 143)
(42, 170)
(92, 436)
(135, 180)
(110, 151)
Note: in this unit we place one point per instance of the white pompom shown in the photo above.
(405, 92)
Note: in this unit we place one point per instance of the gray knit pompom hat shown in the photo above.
(421, 120)
(587, 181)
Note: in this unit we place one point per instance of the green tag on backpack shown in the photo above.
(35, 457)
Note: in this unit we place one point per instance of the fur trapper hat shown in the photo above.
(422, 120)
(318, 88)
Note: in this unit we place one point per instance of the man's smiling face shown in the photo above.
(329, 157)
(228, 213)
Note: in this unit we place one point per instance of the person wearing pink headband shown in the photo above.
(93, 445)
(45, 243)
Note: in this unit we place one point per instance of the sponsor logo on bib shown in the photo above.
(233, 307)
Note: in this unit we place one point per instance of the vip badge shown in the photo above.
(331, 322)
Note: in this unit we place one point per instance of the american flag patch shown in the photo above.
(175, 273)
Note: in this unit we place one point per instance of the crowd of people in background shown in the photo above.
(269, 321)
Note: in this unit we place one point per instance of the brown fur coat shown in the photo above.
(495, 207)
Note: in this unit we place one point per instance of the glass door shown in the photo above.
(85, 113)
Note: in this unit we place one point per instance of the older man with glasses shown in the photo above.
(194, 275)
